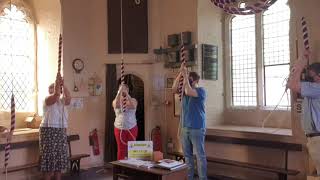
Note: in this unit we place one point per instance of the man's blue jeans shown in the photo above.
(193, 139)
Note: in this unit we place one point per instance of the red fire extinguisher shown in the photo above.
(156, 139)
(94, 142)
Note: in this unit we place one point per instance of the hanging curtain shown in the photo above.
(231, 6)
(110, 152)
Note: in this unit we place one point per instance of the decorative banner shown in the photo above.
(257, 7)
(142, 150)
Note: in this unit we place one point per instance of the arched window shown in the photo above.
(260, 57)
(276, 52)
(244, 86)
(17, 59)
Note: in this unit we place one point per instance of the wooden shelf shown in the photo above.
(173, 49)
(175, 62)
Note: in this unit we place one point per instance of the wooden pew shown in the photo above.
(74, 159)
(281, 172)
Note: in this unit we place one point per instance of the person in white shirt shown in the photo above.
(125, 124)
(53, 131)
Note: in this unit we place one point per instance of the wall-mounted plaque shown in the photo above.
(209, 62)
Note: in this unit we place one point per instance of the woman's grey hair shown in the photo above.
(315, 67)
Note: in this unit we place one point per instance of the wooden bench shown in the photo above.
(281, 172)
(74, 159)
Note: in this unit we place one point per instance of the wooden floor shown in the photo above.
(98, 173)
(106, 174)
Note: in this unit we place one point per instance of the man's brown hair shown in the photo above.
(195, 76)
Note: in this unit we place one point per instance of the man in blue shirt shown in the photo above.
(193, 124)
(310, 91)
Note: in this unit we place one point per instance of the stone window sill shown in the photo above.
(277, 134)
(21, 135)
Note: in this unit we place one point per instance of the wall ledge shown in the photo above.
(21, 135)
(251, 132)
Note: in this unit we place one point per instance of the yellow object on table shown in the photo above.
(142, 150)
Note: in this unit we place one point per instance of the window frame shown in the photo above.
(30, 18)
(260, 73)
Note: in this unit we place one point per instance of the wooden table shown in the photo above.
(131, 172)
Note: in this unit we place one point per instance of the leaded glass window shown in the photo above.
(17, 59)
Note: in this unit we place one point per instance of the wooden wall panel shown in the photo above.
(135, 26)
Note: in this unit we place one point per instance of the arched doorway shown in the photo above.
(136, 87)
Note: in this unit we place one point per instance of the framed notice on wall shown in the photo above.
(170, 82)
(209, 62)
